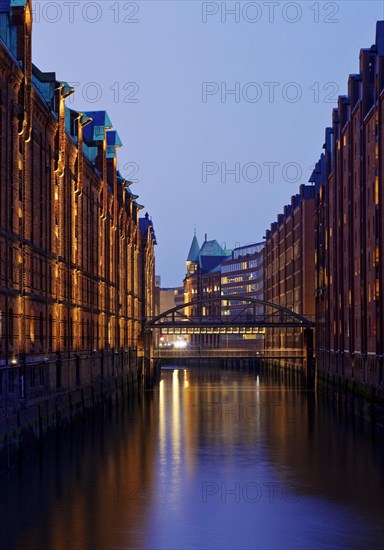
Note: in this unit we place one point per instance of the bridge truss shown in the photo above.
(253, 317)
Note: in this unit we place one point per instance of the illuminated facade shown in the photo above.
(289, 266)
(350, 228)
(171, 297)
(76, 263)
(203, 282)
(242, 274)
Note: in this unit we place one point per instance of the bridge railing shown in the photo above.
(228, 353)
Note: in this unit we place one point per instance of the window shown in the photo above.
(71, 332)
(88, 335)
(41, 329)
(10, 329)
(50, 333)
(32, 327)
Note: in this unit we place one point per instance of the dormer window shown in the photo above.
(99, 131)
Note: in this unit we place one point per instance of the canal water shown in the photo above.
(210, 459)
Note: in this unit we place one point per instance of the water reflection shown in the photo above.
(91, 491)
(263, 466)
(210, 459)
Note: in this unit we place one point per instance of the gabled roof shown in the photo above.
(95, 130)
(212, 248)
(113, 139)
(113, 142)
(194, 251)
(146, 225)
(209, 256)
(45, 83)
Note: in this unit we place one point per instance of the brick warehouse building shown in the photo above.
(289, 267)
(76, 262)
(203, 282)
(350, 228)
(214, 273)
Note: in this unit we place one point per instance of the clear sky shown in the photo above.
(225, 163)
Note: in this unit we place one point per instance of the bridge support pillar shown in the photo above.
(146, 359)
(309, 361)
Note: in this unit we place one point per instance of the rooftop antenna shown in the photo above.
(194, 230)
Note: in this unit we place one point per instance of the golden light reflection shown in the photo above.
(176, 436)
(162, 416)
(178, 425)
(258, 404)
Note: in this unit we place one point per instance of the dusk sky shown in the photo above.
(146, 64)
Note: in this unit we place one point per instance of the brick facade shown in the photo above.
(76, 267)
(289, 274)
(349, 229)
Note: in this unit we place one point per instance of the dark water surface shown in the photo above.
(209, 459)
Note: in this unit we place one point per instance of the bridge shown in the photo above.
(252, 317)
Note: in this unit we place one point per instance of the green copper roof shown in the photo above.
(18, 3)
(194, 251)
(212, 248)
(100, 122)
(113, 142)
